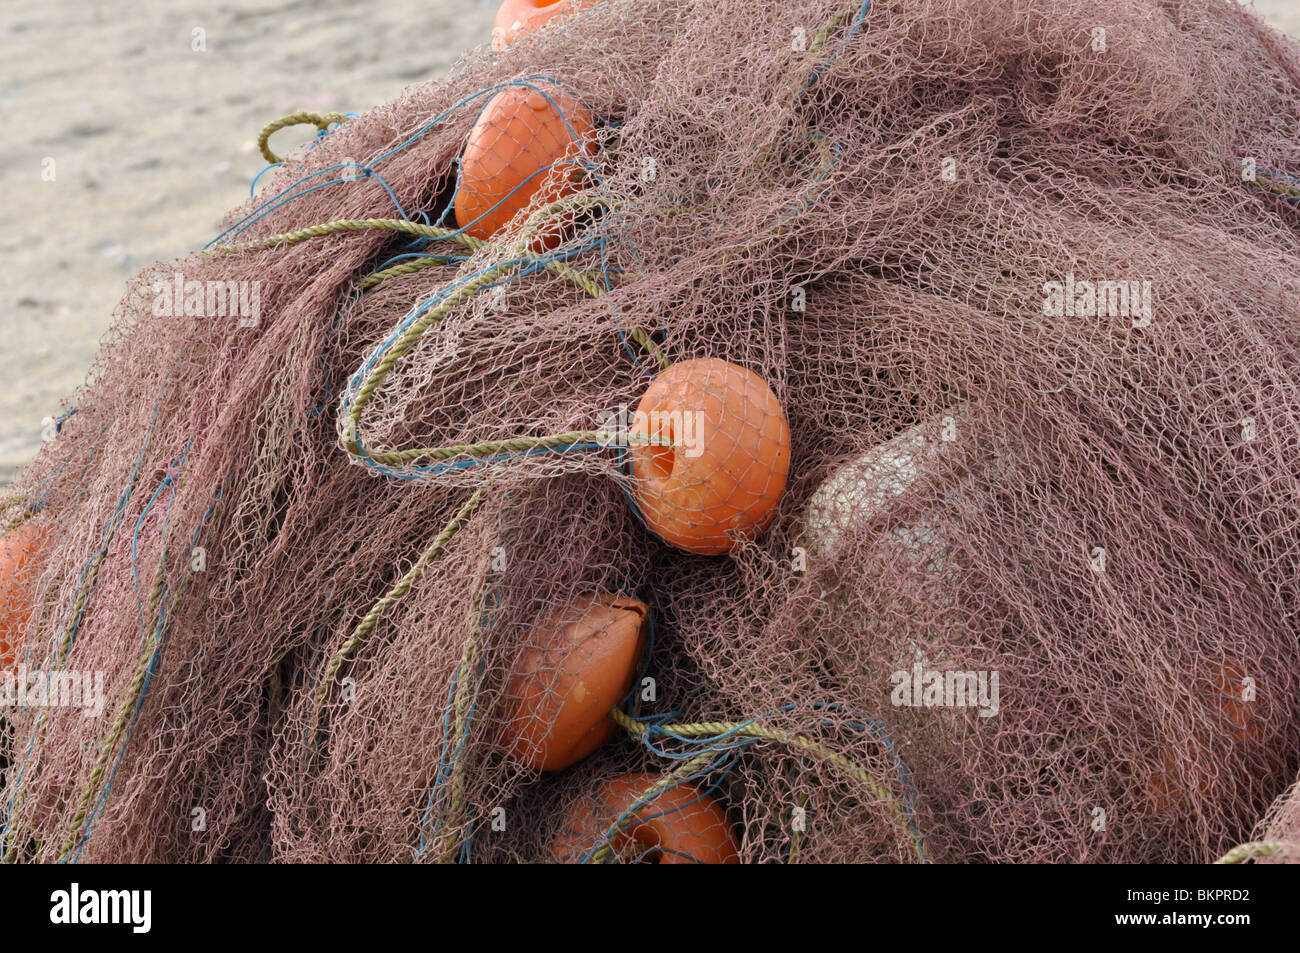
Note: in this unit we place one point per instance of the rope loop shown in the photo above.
(322, 122)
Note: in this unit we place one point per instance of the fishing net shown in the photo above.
(1023, 278)
(1279, 834)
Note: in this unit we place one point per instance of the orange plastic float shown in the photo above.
(19, 551)
(725, 473)
(580, 666)
(1176, 778)
(1238, 715)
(517, 17)
(517, 150)
(682, 825)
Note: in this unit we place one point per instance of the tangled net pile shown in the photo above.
(307, 554)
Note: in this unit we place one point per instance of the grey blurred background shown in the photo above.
(146, 113)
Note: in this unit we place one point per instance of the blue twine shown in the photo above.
(447, 759)
(288, 194)
(1280, 175)
(161, 632)
(852, 32)
(655, 726)
(724, 764)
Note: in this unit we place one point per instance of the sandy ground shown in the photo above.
(150, 140)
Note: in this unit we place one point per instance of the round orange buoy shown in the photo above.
(19, 550)
(1237, 714)
(579, 667)
(1176, 778)
(517, 17)
(726, 470)
(516, 151)
(682, 825)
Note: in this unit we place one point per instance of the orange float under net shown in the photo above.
(976, 539)
(520, 18)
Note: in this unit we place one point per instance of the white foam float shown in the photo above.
(869, 487)
(873, 489)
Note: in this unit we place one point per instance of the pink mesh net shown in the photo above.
(1022, 278)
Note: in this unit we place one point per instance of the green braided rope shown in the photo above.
(584, 280)
(414, 266)
(456, 798)
(755, 729)
(350, 422)
(367, 624)
(630, 818)
(124, 715)
(83, 595)
(1276, 188)
(13, 502)
(1244, 852)
(824, 34)
(338, 226)
(321, 121)
(491, 448)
